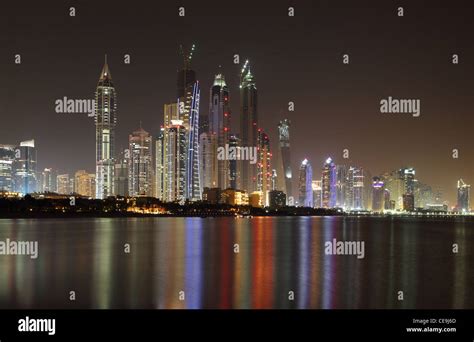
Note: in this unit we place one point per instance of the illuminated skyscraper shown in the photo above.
(140, 167)
(121, 173)
(233, 167)
(317, 194)
(63, 184)
(209, 165)
(248, 125)
(175, 165)
(7, 158)
(160, 165)
(105, 121)
(341, 185)
(188, 109)
(305, 184)
(464, 196)
(219, 125)
(285, 156)
(356, 196)
(378, 195)
(396, 186)
(48, 181)
(24, 168)
(329, 184)
(264, 171)
(408, 176)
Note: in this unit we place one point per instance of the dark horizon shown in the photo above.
(293, 59)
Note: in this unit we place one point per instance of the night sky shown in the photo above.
(296, 59)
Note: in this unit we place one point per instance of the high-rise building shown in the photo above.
(193, 179)
(121, 174)
(396, 186)
(248, 126)
(341, 185)
(219, 126)
(48, 180)
(305, 184)
(188, 109)
(408, 176)
(464, 197)
(317, 194)
(208, 155)
(63, 184)
(7, 158)
(186, 80)
(234, 176)
(24, 168)
(160, 165)
(329, 184)
(285, 156)
(105, 122)
(84, 183)
(264, 170)
(423, 194)
(140, 167)
(175, 165)
(378, 195)
(355, 193)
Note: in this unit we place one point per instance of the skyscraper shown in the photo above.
(305, 184)
(355, 193)
(160, 165)
(63, 185)
(140, 167)
(48, 180)
(7, 158)
(464, 197)
(233, 167)
(341, 185)
(329, 184)
(24, 168)
(248, 125)
(264, 171)
(378, 195)
(209, 165)
(317, 194)
(188, 109)
(219, 125)
(121, 173)
(105, 122)
(285, 156)
(175, 167)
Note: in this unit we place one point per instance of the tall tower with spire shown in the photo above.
(219, 125)
(248, 126)
(105, 122)
(189, 94)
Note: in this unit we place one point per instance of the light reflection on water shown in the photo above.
(191, 263)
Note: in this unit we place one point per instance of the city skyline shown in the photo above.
(363, 136)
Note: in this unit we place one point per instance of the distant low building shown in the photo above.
(256, 199)
(211, 195)
(235, 197)
(277, 199)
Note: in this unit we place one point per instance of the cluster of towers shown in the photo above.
(185, 164)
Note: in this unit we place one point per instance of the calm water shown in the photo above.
(276, 255)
